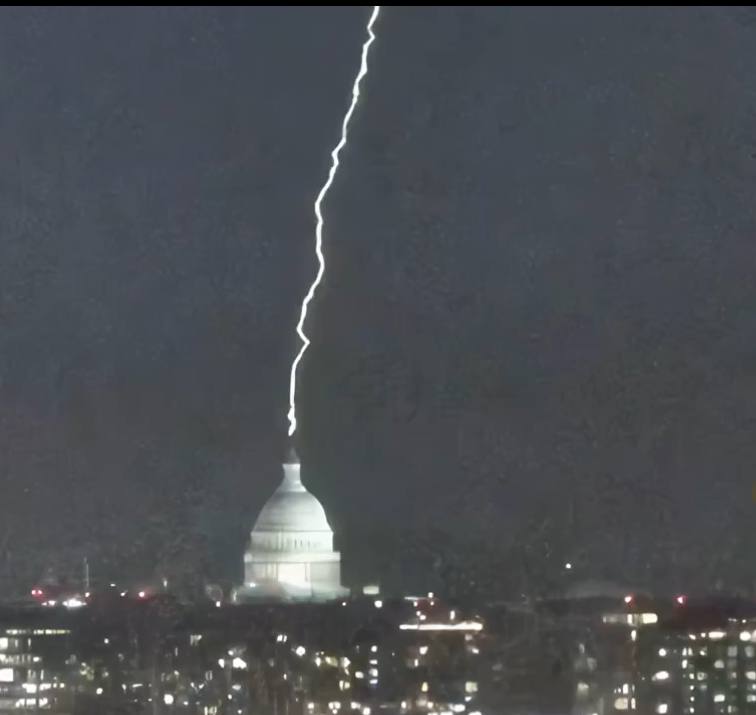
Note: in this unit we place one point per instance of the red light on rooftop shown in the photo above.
(628, 599)
(142, 594)
(680, 600)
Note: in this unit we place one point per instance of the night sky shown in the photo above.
(538, 311)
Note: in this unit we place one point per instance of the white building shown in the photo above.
(290, 555)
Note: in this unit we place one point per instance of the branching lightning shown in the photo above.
(319, 220)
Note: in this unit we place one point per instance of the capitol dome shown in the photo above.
(290, 553)
(291, 507)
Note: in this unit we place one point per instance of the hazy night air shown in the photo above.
(536, 322)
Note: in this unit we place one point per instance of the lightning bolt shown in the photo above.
(319, 220)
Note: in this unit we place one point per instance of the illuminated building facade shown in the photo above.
(666, 657)
(700, 660)
(328, 658)
(400, 656)
(290, 555)
(32, 667)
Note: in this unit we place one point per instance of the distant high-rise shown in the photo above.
(290, 555)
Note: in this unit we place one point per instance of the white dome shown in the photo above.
(292, 507)
(290, 553)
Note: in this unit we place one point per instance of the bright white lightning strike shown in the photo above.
(319, 217)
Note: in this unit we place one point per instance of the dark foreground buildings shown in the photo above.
(589, 653)
(364, 656)
(607, 654)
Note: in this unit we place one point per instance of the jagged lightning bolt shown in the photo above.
(319, 219)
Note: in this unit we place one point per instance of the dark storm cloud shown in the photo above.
(540, 264)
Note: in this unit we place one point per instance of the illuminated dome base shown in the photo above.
(290, 555)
